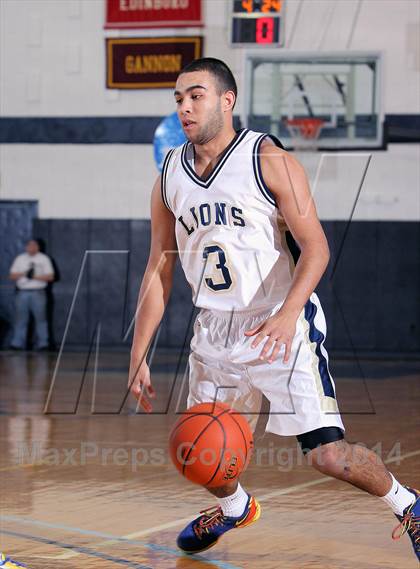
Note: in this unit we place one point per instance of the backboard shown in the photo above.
(339, 93)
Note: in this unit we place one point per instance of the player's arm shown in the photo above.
(286, 179)
(153, 296)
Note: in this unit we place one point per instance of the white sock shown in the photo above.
(234, 505)
(398, 498)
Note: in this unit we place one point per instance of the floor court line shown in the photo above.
(109, 540)
(169, 525)
(81, 550)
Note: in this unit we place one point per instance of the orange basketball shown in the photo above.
(211, 444)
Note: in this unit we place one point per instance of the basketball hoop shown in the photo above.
(304, 131)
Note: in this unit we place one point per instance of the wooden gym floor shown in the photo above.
(82, 489)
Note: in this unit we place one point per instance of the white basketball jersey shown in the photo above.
(230, 235)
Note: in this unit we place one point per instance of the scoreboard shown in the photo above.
(257, 22)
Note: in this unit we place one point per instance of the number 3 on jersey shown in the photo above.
(217, 276)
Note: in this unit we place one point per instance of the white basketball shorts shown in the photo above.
(224, 367)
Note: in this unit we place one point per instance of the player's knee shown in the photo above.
(329, 459)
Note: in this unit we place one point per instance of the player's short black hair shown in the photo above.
(218, 68)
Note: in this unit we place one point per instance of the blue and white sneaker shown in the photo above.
(7, 563)
(204, 532)
(410, 523)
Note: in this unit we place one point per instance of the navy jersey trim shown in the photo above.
(163, 178)
(318, 338)
(318, 437)
(276, 141)
(292, 246)
(256, 164)
(193, 175)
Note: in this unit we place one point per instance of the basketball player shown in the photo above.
(228, 202)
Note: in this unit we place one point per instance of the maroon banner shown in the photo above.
(149, 63)
(153, 13)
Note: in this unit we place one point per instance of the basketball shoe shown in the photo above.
(7, 563)
(204, 532)
(410, 523)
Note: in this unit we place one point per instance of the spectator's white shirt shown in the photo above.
(41, 264)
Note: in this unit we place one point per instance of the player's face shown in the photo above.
(199, 106)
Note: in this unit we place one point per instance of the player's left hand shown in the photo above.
(280, 329)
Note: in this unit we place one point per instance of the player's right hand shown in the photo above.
(140, 385)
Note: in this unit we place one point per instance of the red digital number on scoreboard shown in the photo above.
(265, 30)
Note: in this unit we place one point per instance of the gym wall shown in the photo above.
(83, 154)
